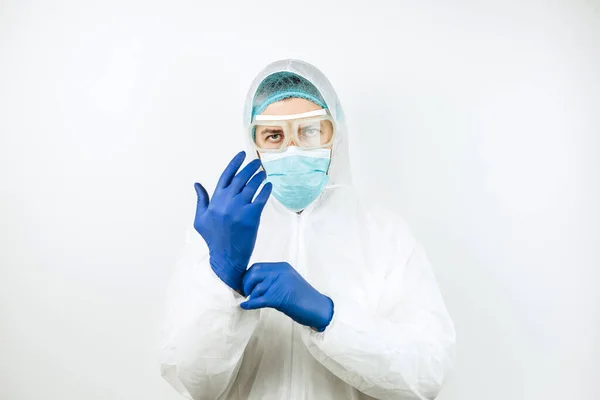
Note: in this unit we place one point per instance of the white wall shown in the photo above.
(479, 122)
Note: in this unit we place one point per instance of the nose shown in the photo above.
(292, 143)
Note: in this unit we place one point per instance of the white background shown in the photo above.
(478, 121)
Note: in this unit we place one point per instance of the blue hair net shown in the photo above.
(283, 85)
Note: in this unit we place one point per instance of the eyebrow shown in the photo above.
(270, 130)
(311, 126)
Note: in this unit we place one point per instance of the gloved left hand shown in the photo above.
(280, 286)
(229, 221)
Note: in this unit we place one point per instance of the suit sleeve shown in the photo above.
(403, 348)
(205, 331)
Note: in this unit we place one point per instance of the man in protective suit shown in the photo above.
(290, 288)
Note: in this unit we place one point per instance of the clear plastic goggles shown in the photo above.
(311, 130)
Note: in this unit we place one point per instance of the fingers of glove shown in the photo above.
(250, 189)
(260, 289)
(231, 170)
(203, 197)
(240, 180)
(253, 276)
(263, 196)
(253, 304)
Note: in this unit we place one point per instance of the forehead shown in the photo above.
(290, 106)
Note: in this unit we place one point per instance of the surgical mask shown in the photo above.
(298, 176)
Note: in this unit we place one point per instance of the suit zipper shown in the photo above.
(296, 266)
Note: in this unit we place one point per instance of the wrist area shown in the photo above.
(326, 314)
(230, 275)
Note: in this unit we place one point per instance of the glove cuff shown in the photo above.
(229, 275)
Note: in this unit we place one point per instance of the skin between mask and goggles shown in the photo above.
(295, 151)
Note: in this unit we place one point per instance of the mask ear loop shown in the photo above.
(328, 186)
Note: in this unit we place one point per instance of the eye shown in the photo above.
(275, 137)
(310, 132)
(272, 135)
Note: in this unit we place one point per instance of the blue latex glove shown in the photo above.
(280, 286)
(229, 221)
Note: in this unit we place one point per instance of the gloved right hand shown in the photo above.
(229, 221)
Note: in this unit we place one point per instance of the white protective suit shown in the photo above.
(390, 337)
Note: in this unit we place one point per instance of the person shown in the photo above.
(290, 287)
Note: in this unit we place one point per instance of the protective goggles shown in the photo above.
(310, 130)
